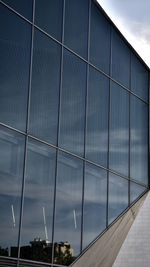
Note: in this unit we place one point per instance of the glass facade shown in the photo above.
(73, 128)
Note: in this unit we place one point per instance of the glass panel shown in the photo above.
(118, 196)
(119, 129)
(14, 63)
(99, 40)
(120, 60)
(135, 191)
(139, 78)
(11, 174)
(48, 16)
(76, 26)
(97, 118)
(73, 104)
(45, 88)
(139, 141)
(95, 200)
(24, 7)
(68, 209)
(38, 203)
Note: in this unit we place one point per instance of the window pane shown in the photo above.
(95, 199)
(99, 40)
(135, 191)
(120, 60)
(73, 104)
(14, 63)
(38, 203)
(97, 118)
(68, 209)
(139, 140)
(45, 88)
(119, 129)
(76, 26)
(11, 174)
(48, 16)
(139, 78)
(24, 7)
(118, 196)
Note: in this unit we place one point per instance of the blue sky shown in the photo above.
(132, 17)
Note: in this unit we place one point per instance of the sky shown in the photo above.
(132, 17)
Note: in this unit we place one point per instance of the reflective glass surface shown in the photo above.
(120, 60)
(99, 40)
(118, 196)
(68, 208)
(11, 174)
(14, 63)
(95, 200)
(38, 202)
(45, 88)
(139, 78)
(72, 104)
(24, 7)
(135, 191)
(48, 16)
(119, 129)
(139, 141)
(97, 118)
(76, 26)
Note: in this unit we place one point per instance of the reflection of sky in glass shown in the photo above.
(73, 104)
(39, 192)
(119, 129)
(97, 118)
(99, 40)
(118, 196)
(14, 63)
(48, 16)
(45, 88)
(76, 26)
(135, 191)
(120, 60)
(69, 201)
(95, 199)
(11, 172)
(139, 140)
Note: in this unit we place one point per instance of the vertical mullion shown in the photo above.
(129, 129)
(85, 123)
(109, 126)
(26, 138)
(149, 131)
(58, 131)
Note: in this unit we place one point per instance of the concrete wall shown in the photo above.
(104, 251)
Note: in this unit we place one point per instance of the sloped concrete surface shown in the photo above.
(105, 250)
(135, 251)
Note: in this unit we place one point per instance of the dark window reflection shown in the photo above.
(99, 40)
(68, 208)
(120, 60)
(38, 203)
(135, 191)
(73, 104)
(97, 118)
(95, 200)
(118, 196)
(139, 140)
(11, 173)
(76, 26)
(45, 88)
(14, 68)
(48, 16)
(119, 129)
(24, 7)
(139, 78)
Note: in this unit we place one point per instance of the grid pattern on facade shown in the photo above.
(73, 128)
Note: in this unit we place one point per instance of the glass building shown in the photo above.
(74, 101)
